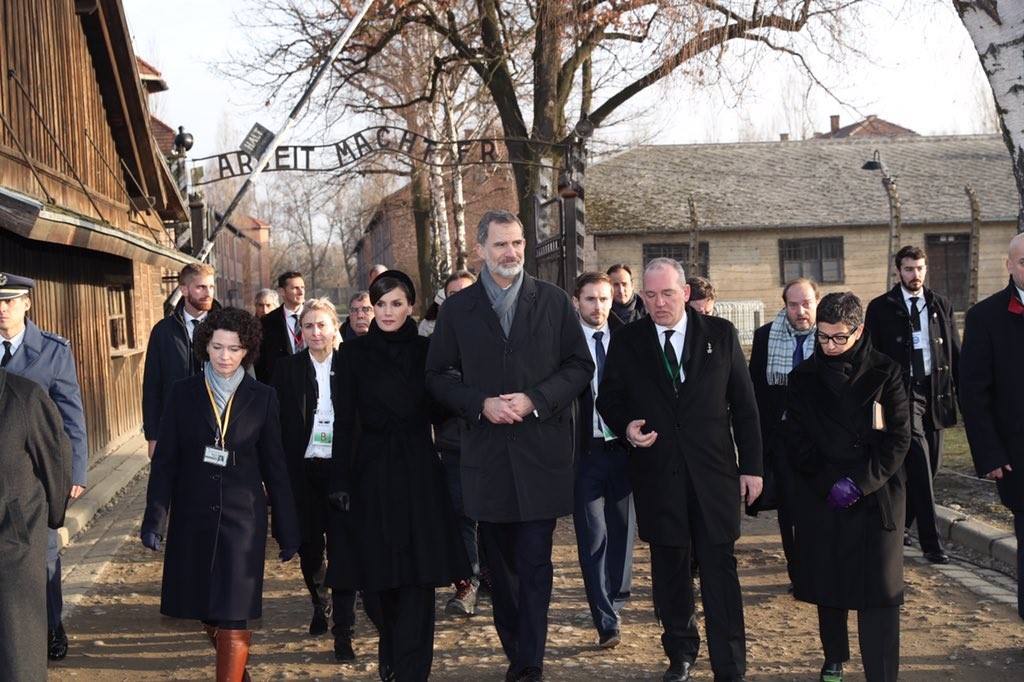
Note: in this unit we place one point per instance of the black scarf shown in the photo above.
(396, 344)
(835, 370)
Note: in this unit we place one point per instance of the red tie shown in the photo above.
(1015, 306)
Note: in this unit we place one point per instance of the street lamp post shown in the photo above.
(889, 184)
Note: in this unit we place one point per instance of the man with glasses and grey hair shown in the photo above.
(677, 389)
(360, 315)
(509, 358)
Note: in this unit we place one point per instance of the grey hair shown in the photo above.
(841, 307)
(671, 263)
(358, 295)
(267, 293)
(498, 216)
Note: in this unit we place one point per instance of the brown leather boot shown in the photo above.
(211, 632)
(232, 654)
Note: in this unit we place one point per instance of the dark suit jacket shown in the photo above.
(585, 423)
(275, 344)
(887, 320)
(524, 471)
(991, 377)
(297, 393)
(695, 428)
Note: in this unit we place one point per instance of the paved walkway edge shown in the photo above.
(108, 477)
(958, 527)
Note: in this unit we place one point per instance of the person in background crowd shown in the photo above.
(375, 272)
(169, 353)
(46, 359)
(463, 602)
(603, 517)
(282, 335)
(626, 305)
(509, 358)
(360, 314)
(702, 295)
(307, 389)
(426, 325)
(914, 326)
(266, 300)
(847, 429)
(218, 457)
(389, 480)
(991, 377)
(35, 471)
(778, 348)
(676, 387)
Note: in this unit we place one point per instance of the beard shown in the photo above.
(913, 285)
(506, 270)
(200, 304)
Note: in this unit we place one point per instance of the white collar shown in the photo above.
(189, 317)
(16, 340)
(288, 312)
(679, 328)
(589, 331)
(325, 363)
(907, 295)
(1020, 292)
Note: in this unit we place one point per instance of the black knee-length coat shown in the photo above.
(850, 558)
(35, 479)
(215, 518)
(401, 526)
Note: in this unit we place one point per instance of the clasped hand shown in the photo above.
(507, 408)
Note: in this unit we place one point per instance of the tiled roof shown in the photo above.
(807, 183)
(164, 135)
(872, 125)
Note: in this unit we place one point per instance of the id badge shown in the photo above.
(216, 456)
(323, 432)
(919, 340)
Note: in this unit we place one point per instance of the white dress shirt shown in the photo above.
(324, 415)
(190, 328)
(588, 332)
(925, 341)
(292, 325)
(15, 342)
(1020, 292)
(676, 340)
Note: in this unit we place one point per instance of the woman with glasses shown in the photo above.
(847, 426)
(217, 459)
(390, 483)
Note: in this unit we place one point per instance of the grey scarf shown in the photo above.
(502, 300)
(222, 388)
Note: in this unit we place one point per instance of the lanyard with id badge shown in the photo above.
(217, 454)
(322, 437)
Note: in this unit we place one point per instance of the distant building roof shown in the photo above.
(805, 183)
(164, 135)
(151, 78)
(872, 126)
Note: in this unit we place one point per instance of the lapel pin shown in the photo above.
(709, 348)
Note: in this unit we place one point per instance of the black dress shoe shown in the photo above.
(57, 644)
(907, 540)
(677, 672)
(609, 640)
(937, 557)
(318, 624)
(831, 672)
(531, 675)
(343, 652)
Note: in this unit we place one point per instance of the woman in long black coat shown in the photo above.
(206, 490)
(405, 529)
(847, 425)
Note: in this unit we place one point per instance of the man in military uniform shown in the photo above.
(46, 359)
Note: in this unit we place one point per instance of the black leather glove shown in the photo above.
(287, 553)
(151, 541)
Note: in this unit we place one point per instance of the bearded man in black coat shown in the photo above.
(991, 376)
(676, 387)
(509, 358)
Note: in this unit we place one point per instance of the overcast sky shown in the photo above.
(922, 73)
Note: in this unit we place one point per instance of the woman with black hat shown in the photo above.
(217, 459)
(847, 426)
(390, 484)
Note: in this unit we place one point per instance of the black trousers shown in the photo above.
(923, 460)
(787, 531)
(878, 632)
(518, 557)
(1018, 528)
(404, 618)
(672, 585)
(313, 560)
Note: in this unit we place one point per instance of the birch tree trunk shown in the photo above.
(458, 198)
(997, 29)
(442, 241)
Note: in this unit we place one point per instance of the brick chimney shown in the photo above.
(834, 119)
(783, 137)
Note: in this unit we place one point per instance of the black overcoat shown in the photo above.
(297, 394)
(523, 471)
(771, 403)
(850, 558)
(274, 344)
(215, 518)
(401, 518)
(35, 479)
(695, 428)
(887, 321)
(991, 377)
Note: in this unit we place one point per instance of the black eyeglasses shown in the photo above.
(838, 339)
